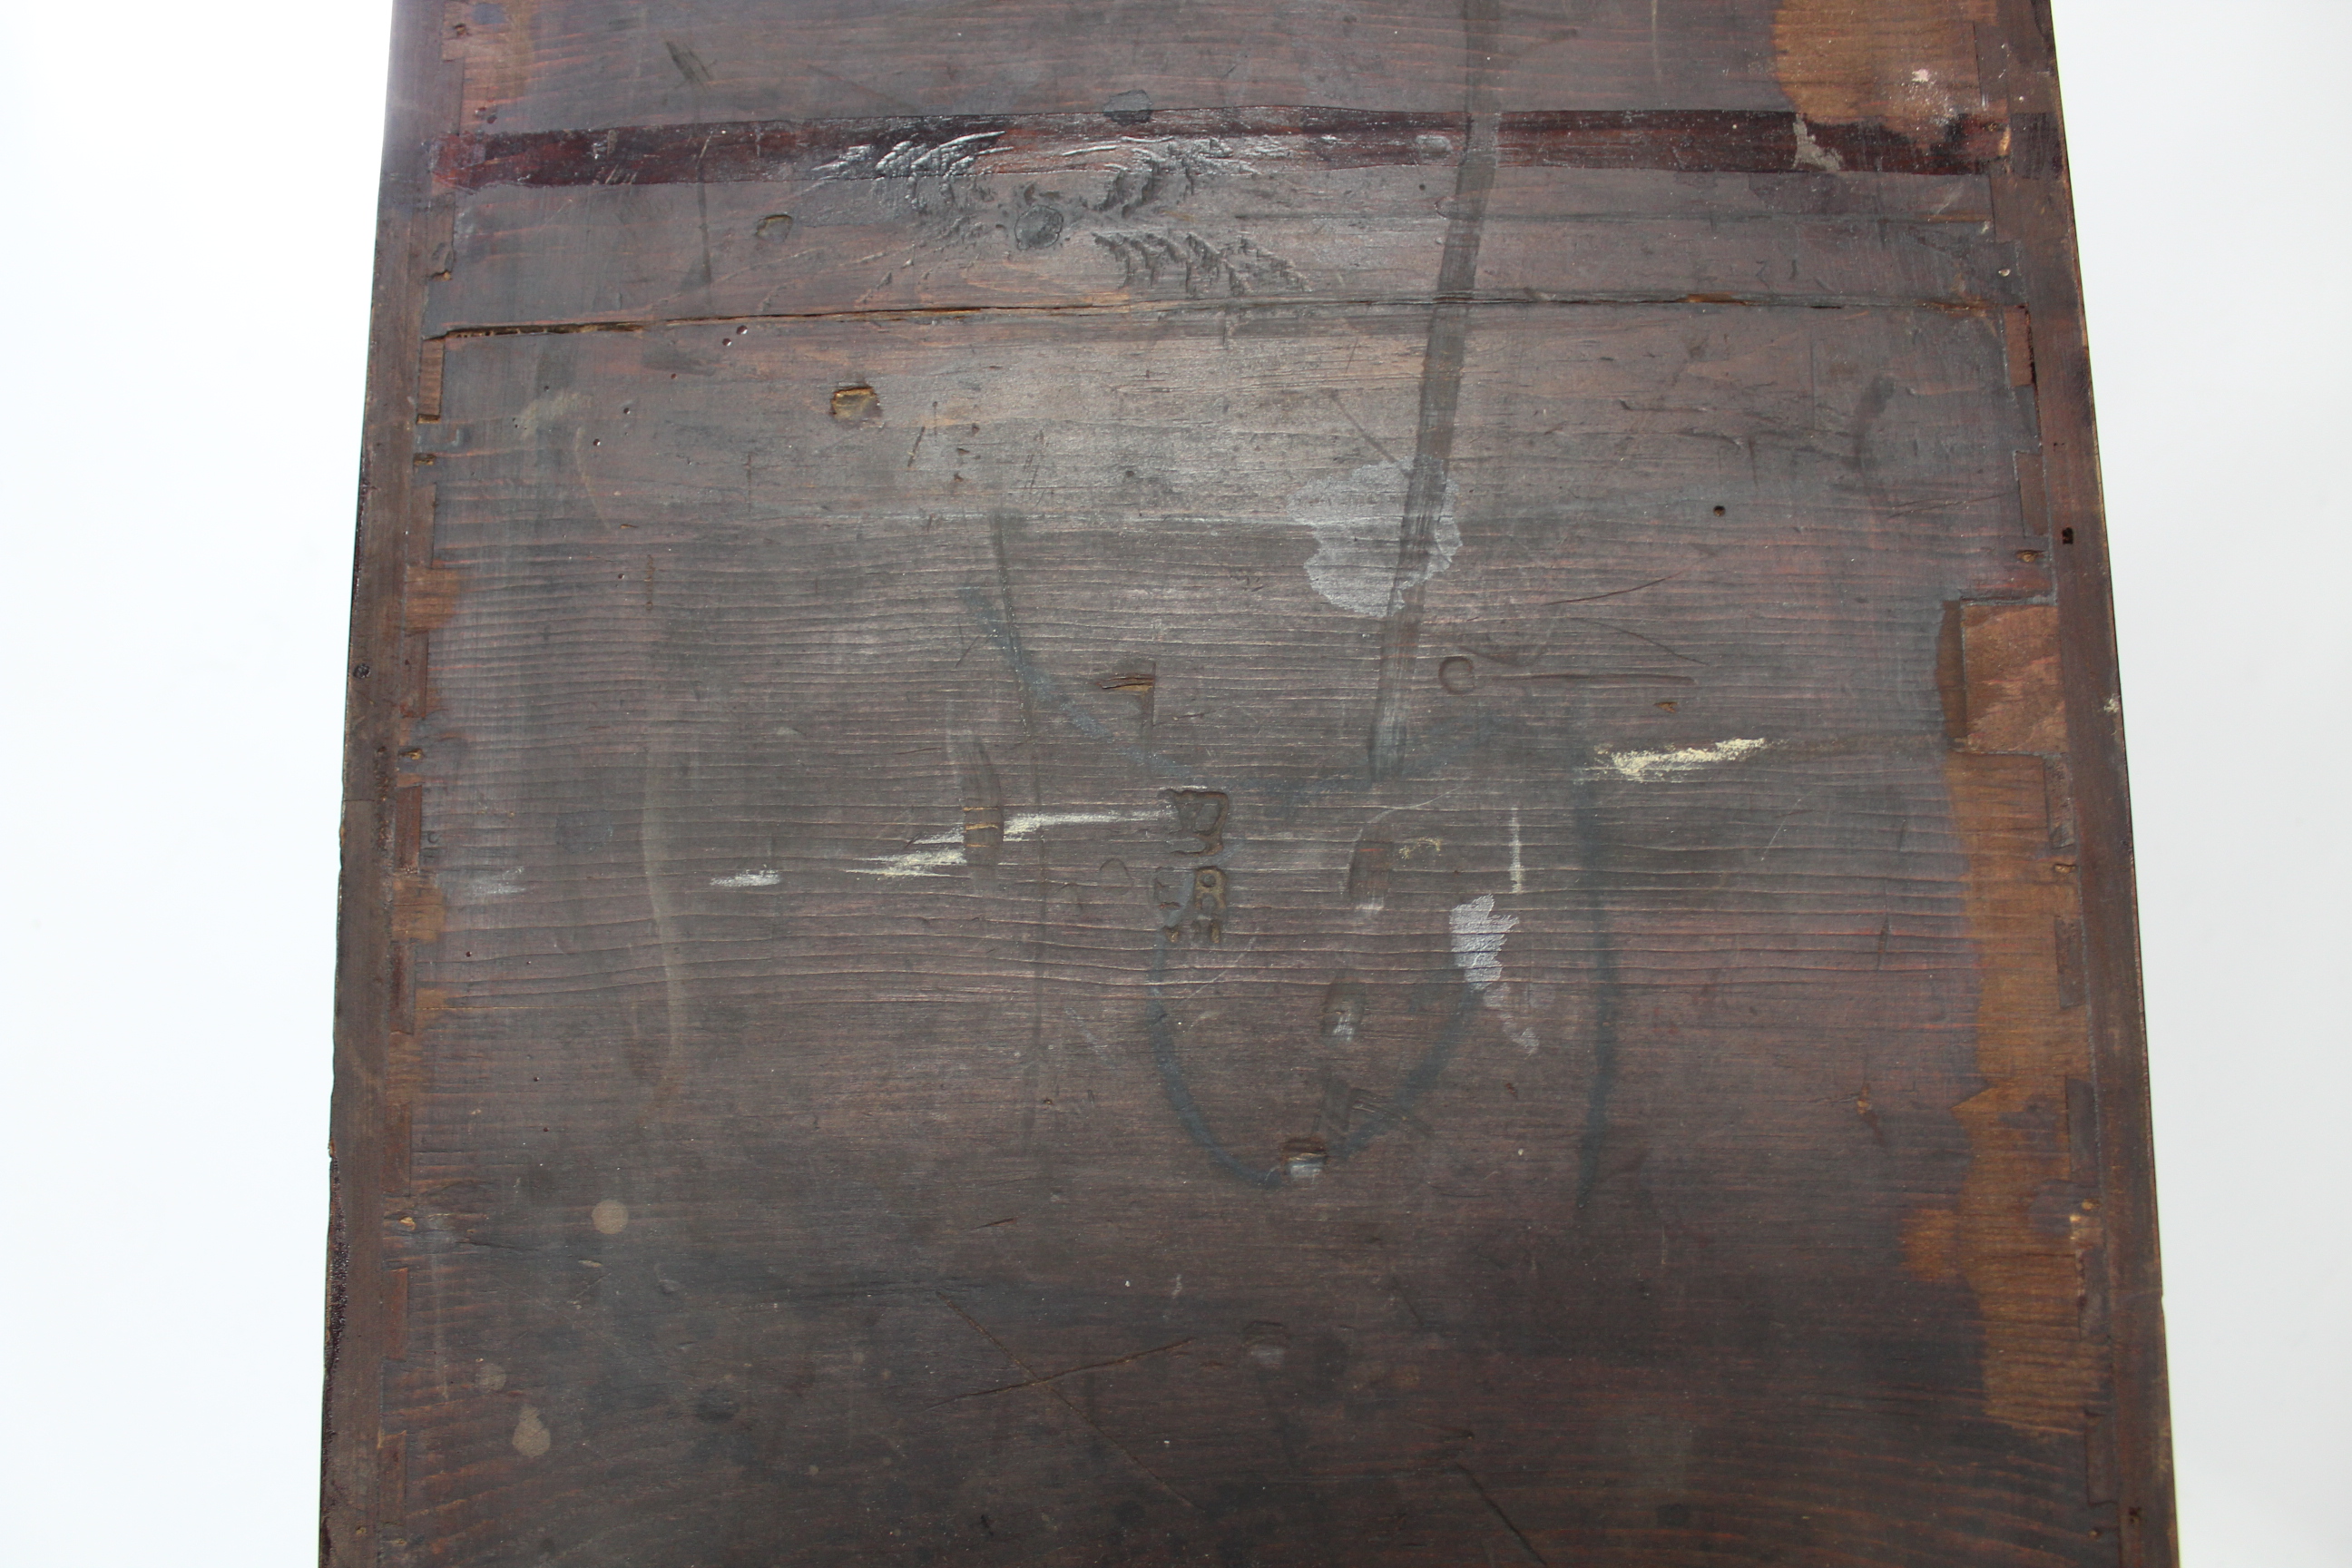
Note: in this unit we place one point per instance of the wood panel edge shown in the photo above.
(2131, 1443)
(421, 106)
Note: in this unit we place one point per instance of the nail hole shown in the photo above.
(1718, 511)
(2065, 536)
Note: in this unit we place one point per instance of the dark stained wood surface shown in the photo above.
(1334, 784)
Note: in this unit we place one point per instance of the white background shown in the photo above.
(188, 223)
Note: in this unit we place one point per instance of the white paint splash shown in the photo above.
(914, 862)
(1357, 518)
(1642, 767)
(929, 862)
(749, 879)
(1478, 933)
(1811, 155)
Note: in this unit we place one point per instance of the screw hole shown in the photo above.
(2065, 536)
(1718, 511)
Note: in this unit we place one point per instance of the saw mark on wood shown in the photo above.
(1045, 1385)
(1300, 304)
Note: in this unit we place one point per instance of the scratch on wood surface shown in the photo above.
(1047, 1385)
(1497, 1509)
(1057, 1377)
(654, 851)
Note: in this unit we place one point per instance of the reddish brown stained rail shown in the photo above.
(1691, 140)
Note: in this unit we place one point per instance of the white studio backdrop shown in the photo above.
(2214, 232)
(191, 219)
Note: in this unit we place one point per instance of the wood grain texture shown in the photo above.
(1200, 784)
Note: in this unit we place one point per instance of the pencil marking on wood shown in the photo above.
(1161, 1026)
(1426, 491)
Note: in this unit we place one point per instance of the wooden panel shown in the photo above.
(1335, 786)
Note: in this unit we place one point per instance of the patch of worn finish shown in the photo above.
(2026, 1223)
(1909, 65)
(2010, 686)
(531, 1438)
(494, 43)
(1358, 519)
